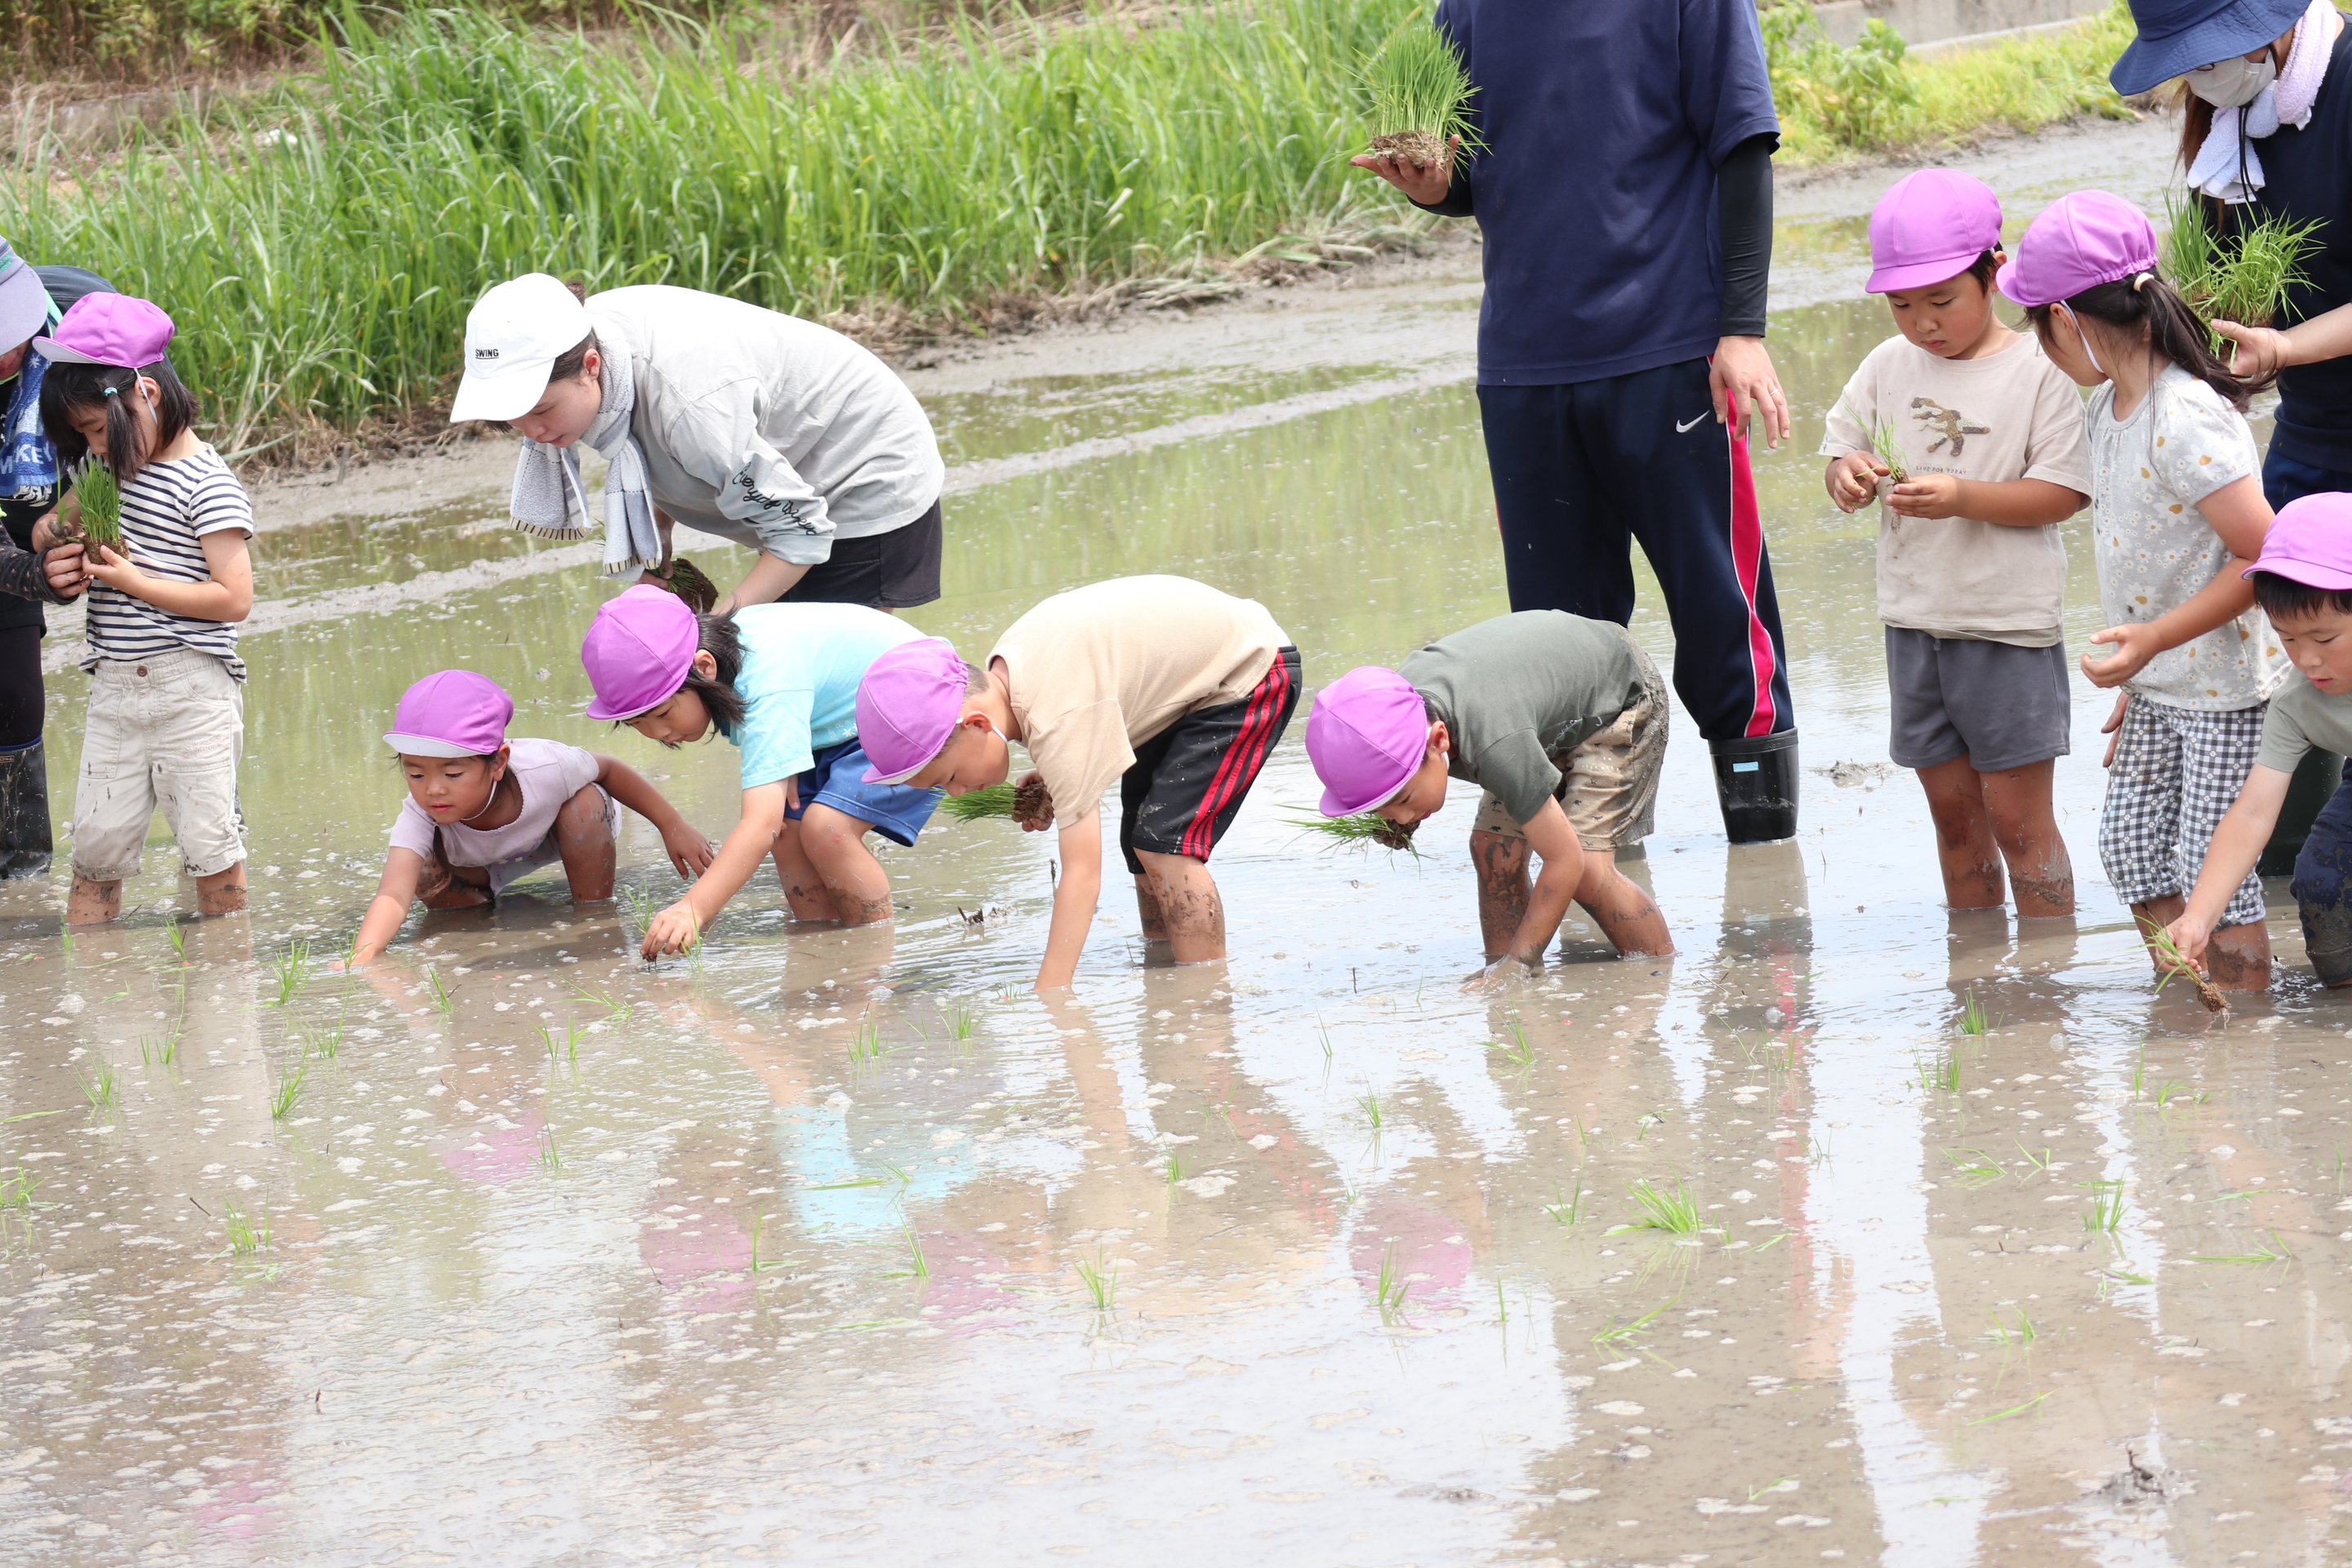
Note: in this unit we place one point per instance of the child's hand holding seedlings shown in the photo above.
(1926, 494)
(1852, 480)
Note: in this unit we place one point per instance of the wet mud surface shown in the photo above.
(1859, 1229)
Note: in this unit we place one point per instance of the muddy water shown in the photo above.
(841, 1247)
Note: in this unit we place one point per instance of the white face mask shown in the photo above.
(2234, 82)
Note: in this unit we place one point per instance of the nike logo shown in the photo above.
(1686, 424)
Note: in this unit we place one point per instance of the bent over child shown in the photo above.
(1988, 434)
(1174, 690)
(484, 811)
(1562, 723)
(166, 722)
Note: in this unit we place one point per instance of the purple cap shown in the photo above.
(2078, 242)
(119, 331)
(639, 651)
(454, 713)
(908, 706)
(2310, 542)
(1930, 225)
(1368, 734)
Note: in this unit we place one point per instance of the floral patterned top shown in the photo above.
(2154, 550)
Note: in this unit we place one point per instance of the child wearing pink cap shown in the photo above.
(1971, 569)
(484, 811)
(2303, 582)
(166, 719)
(780, 681)
(1172, 690)
(1562, 723)
(2177, 517)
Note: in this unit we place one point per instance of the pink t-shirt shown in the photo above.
(549, 773)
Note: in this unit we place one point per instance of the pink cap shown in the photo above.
(1368, 734)
(453, 713)
(2078, 242)
(908, 706)
(115, 330)
(2310, 542)
(639, 651)
(1929, 226)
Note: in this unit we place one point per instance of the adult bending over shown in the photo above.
(778, 434)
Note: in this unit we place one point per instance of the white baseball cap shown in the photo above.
(514, 334)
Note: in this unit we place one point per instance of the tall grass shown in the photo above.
(321, 244)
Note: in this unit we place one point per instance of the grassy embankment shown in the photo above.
(320, 242)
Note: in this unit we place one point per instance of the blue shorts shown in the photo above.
(837, 779)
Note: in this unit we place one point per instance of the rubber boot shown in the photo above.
(25, 842)
(1756, 781)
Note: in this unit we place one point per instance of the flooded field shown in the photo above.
(1857, 1230)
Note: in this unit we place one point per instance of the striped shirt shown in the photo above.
(166, 512)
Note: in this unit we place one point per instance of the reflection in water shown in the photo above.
(841, 1247)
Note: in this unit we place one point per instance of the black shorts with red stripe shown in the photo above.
(1187, 783)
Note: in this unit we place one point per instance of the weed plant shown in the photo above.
(1419, 95)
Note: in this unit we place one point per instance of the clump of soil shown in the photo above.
(685, 579)
(1033, 806)
(1419, 147)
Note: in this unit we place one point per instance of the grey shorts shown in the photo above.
(1998, 705)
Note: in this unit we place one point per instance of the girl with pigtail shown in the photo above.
(2177, 515)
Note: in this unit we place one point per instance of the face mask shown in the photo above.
(2234, 82)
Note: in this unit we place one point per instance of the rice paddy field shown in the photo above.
(1858, 1230)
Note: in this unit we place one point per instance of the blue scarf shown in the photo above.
(29, 462)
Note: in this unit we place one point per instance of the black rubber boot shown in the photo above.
(1756, 781)
(25, 842)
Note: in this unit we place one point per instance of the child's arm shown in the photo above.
(1553, 838)
(403, 869)
(1853, 479)
(689, 851)
(2012, 503)
(1075, 899)
(226, 596)
(754, 834)
(2240, 515)
(2237, 844)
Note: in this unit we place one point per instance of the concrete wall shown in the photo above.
(1935, 21)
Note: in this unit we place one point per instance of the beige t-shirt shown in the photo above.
(1097, 671)
(2010, 416)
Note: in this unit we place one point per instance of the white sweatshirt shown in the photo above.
(768, 430)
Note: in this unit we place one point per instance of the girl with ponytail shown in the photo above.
(2177, 516)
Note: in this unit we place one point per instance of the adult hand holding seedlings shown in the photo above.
(67, 572)
(1424, 182)
(1741, 372)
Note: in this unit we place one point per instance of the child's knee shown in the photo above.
(583, 817)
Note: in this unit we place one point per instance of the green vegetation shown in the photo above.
(292, 970)
(99, 1086)
(1420, 92)
(2240, 276)
(1101, 1281)
(2108, 1206)
(1670, 1209)
(287, 1093)
(991, 800)
(97, 506)
(1390, 1289)
(1974, 1020)
(1361, 831)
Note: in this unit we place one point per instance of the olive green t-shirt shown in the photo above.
(2302, 717)
(1516, 691)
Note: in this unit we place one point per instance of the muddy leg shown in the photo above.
(2238, 957)
(2026, 828)
(463, 888)
(804, 884)
(93, 903)
(222, 893)
(835, 843)
(1503, 888)
(1146, 906)
(1964, 836)
(1626, 915)
(2154, 915)
(1189, 910)
(586, 840)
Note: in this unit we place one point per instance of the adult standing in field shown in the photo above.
(1624, 192)
(32, 299)
(2267, 132)
(780, 435)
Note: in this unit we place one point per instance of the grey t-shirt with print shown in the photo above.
(1517, 689)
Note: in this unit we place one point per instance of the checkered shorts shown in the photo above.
(2177, 771)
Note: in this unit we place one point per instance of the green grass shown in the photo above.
(292, 970)
(1418, 87)
(1100, 1280)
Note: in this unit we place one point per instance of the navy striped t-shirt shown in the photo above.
(167, 511)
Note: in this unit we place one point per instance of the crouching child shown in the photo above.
(1561, 721)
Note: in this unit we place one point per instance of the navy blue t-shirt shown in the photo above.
(1604, 122)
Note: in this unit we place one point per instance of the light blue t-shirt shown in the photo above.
(802, 664)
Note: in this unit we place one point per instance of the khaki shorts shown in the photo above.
(162, 734)
(1609, 783)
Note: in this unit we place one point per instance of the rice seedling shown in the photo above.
(614, 1011)
(2108, 1206)
(2242, 276)
(1973, 1017)
(2038, 1162)
(1361, 831)
(1938, 1072)
(550, 1155)
(292, 970)
(288, 1090)
(1973, 1167)
(1670, 1209)
(1775, 1241)
(98, 504)
(99, 1085)
(688, 581)
(962, 1024)
(918, 1265)
(642, 907)
(177, 935)
(325, 1043)
(247, 1233)
(2174, 963)
(1390, 1289)
(1369, 1102)
(865, 1047)
(1420, 93)
(565, 1049)
(974, 805)
(2032, 1404)
(1502, 1307)
(1175, 1167)
(66, 940)
(1323, 1033)
(1886, 441)
(1643, 1122)
(2174, 1089)
(1100, 1280)
(16, 1192)
(1625, 1332)
(1568, 1210)
(2274, 1250)
(2013, 1337)
(1518, 1053)
(159, 1050)
(443, 1002)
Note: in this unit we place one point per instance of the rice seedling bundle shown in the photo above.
(1027, 801)
(1361, 831)
(1421, 95)
(2242, 277)
(98, 500)
(686, 580)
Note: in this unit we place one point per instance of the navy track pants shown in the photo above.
(1582, 470)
